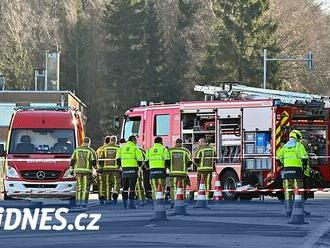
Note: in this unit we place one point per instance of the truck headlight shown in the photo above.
(68, 173)
(11, 172)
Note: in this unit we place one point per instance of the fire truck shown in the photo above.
(247, 126)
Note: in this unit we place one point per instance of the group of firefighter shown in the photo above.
(126, 165)
(139, 173)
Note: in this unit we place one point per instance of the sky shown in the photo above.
(326, 4)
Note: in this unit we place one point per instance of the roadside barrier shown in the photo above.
(111, 159)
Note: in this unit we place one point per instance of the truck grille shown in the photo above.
(41, 175)
(41, 186)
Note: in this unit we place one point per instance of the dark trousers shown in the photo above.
(307, 185)
(129, 183)
(146, 184)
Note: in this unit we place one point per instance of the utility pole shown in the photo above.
(308, 59)
(2, 82)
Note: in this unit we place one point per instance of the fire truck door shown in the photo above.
(166, 124)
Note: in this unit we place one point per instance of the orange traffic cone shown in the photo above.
(159, 209)
(179, 204)
(217, 196)
(298, 215)
(201, 200)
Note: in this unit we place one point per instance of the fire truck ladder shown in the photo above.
(236, 91)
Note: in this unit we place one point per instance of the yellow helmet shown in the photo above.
(296, 134)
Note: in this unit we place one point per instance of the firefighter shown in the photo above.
(146, 183)
(157, 158)
(307, 174)
(180, 160)
(140, 191)
(130, 158)
(204, 159)
(82, 162)
(294, 158)
(100, 177)
(307, 170)
(110, 173)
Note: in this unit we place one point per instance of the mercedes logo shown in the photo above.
(41, 175)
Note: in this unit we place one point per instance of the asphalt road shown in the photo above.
(229, 224)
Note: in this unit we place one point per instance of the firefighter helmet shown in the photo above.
(296, 134)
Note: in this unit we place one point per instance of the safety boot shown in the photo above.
(115, 197)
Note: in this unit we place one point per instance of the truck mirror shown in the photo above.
(116, 122)
(2, 150)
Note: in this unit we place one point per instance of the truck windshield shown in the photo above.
(42, 141)
(132, 126)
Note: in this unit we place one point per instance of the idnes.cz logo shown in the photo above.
(46, 219)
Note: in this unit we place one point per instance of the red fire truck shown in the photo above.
(247, 126)
(38, 149)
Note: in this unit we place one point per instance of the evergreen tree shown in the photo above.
(242, 32)
(177, 54)
(151, 87)
(124, 24)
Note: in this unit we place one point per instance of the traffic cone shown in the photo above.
(179, 204)
(298, 215)
(201, 200)
(217, 196)
(159, 209)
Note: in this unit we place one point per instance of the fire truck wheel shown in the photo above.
(228, 181)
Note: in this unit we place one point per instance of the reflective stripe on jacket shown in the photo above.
(292, 153)
(156, 156)
(206, 156)
(84, 157)
(129, 154)
(179, 159)
(109, 152)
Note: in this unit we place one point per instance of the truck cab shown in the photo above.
(38, 149)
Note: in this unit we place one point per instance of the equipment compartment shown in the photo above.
(196, 125)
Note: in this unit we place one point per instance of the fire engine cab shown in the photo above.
(40, 143)
(246, 125)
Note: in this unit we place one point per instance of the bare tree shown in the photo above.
(303, 26)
